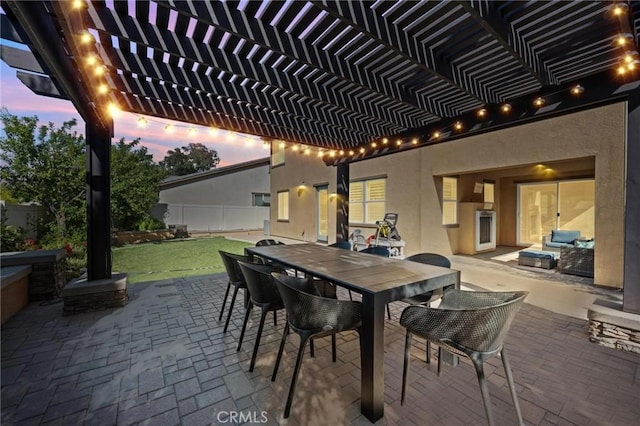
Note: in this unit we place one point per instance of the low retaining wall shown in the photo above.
(136, 237)
(47, 271)
(15, 290)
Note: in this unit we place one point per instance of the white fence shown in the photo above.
(203, 218)
(23, 216)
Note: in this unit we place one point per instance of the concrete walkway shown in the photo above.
(163, 359)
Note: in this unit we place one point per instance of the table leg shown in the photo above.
(372, 357)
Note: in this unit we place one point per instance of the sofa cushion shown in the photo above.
(557, 245)
(562, 236)
(589, 244)
(539, 254)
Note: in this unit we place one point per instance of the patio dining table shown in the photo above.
(380, 281)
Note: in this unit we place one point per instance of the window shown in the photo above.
(489, 192)
(277, 153)
(283, 205)
(449, 201)
(261, 200)
(367, 201)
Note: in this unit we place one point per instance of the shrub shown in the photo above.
(150, 223)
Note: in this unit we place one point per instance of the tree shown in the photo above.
(192, 158)
(46, 165)
(135, 180)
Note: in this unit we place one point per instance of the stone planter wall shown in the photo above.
(614, 336)
(47, 277)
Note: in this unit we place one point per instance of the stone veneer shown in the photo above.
(47, 277)
(611, 327)
(86, 296)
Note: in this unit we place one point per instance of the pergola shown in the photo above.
(353, 80)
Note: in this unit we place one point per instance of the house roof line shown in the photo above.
(175, 181)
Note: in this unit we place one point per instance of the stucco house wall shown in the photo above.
(589, 143)
(219, 199)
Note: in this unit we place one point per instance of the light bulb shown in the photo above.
(482, 112)
(103, 88)
(373, 144)
(458, 125)
(414, 141)
(114, 110)
(577, 90)
(142, 122)
(505, 108)
(351, 152)
(168, 128)
(539, 101)
(436, 135)
(385, 141)
(399, 142)
(86, 38)
(361, 150)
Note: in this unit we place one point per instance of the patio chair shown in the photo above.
(311, 316)
(264, 294)
(467, 323)
(379, 251)
(430, 296)
(268, 242)
(342, 244)
(236, 279)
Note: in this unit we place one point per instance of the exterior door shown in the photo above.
(545, 206)
(322, 213)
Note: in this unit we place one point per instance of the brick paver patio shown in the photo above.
(163, 359)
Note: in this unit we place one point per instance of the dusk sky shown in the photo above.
(232, 147)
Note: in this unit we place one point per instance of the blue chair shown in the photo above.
(343, 244)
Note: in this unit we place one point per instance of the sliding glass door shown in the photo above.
(555, 205)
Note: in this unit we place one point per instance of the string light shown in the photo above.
(86, 38)
(436, 135)
(373, 144)
(103, 89)
(458, 125)
(113, 109)
(538, 102)
(505, 108)
(577, 90)
(142, 122)
(482, 112)
(414, 141)
(399, 142)
(362, 150)
(385, 141)
(92, 60)
(77, 4)
(351, 152)
(168, 128)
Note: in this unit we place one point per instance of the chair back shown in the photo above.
(430, 259)
(377, 250)
(230, 261)
(268, 242)
(309, 312)
(260, 282)
(342, 244)
(482, 319)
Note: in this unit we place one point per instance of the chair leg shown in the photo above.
(350, 296)
(244, 326)
(428, 353)
(439, 360)
(512, 386)
(275, 318)
(285, 333)
(405, 366)
(388, 312)
(263, 317)
(334, 356)
(484, 390)
(233, 301)
(311, 349)
(294, 379)
(224, 301)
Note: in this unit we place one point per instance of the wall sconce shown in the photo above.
(301, 188)
(333, 196)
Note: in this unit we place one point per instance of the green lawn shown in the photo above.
(173, 259)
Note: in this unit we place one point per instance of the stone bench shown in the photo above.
(15, 289)
(537, 258)
(48, 272)
(87, 296)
